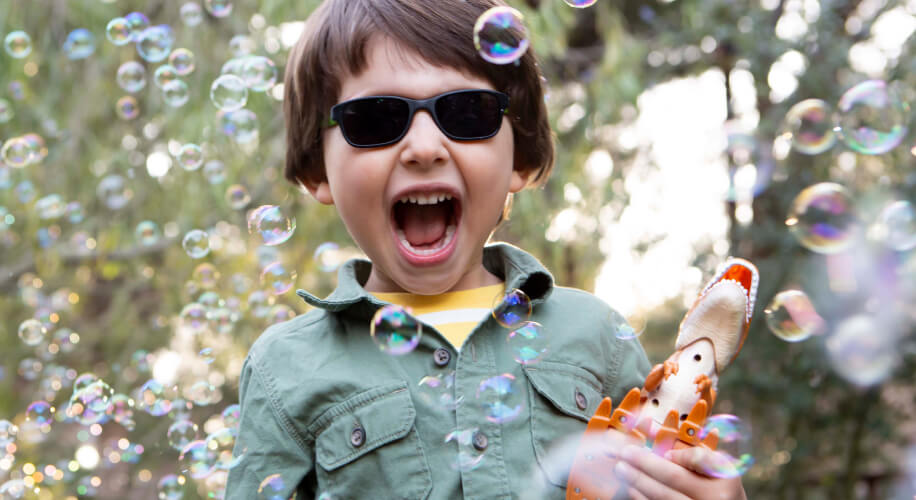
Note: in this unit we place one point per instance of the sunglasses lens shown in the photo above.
(469, 115)
(369, 122)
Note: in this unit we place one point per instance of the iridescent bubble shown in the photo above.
(791, 316)
(40, 412)
(326, 256)
(273, 225)
(127, 107)
(18, 44)
(66, 339)
(6, 111)
(32, 332)
(122, 411)
(218, 8)
(50, 207)
(75, 212)
(14, 489)
(191, 14)
(280, 313)
(147, 233)
(512, 309)
(500, 35)
(232, 414)
(241, 45)
(155, 43)
(137, 23)
(228, 93)
(277, 279)
(176, 93)
(234, 66)
(469, 456)
(183, 61)
(181, 433)
(634, 326)
(207, 275)
(237, 196)
(528, 343)
(201, 393)
(197, 460)
(495, 395)
(35, 145)
(271, 488)
(131, 76)
(580, 4)
(196, 243)
(17, 152)
(164, 75)
(190, 157)
(90, 405)
(862, 350)
(206, 354)
(118, 31)
(194, 318)
(8, 432)
(394, 330)
(810, 125)
(221, 443)
(215, 171)
(241, 125)
(438, 391)
(259, 73)
(733, 457)
(170, 487)
(80, 44)
(823, 219)
(897, 224)
(113, 192)
(152, 398)
(872, 117)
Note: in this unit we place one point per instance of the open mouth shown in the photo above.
(425, 223)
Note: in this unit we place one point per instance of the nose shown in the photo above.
(424, 144)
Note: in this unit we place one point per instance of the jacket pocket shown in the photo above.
(563, 397)
(367, 447)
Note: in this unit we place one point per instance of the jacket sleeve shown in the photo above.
(267, 448)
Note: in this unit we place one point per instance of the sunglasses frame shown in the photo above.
(414, 105)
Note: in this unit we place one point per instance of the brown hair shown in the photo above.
(333, 44)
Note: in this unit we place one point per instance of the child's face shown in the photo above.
(419, 248)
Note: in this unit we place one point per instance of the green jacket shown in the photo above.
(324, 411)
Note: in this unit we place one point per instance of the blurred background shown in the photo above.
(147, 236)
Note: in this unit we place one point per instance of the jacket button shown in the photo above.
(357, 436)
(441, 357)
(581, 400)
(480, 441)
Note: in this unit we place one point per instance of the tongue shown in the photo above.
(424, 224)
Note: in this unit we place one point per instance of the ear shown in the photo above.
(321, 191)
(519, 180)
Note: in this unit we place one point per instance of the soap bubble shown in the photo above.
(219, 8)
(271, 224)
(50, 207)
(327, 256)
(80, 44)
(147, 233)
(215, 171)
(469, 456)
(231, 415)
(512, 309)
(191, 14)
(17, 152)
(207, 275)
(862, 350)
(197, 460)
(791, 316)
(277, 279)
(182, 60)
(201, 393)
(18, 44)
(733, 457)
(8, 432)
(153, 399)
(137, 23)
(872, 117)
(90, 404)
(194, 318)
(221, 443)
(122, 412)
(32, 332)
(228, 93)
(6, 111)
(196, 243)
(171, 487)
(810, 125)
(181, 433)
(580, 4)
(176, 93)
(164, 75)
(127, 107)
(113, 192)
(40, 412)
(118, 31)
(897, 226)
(271, 488)
(190, 157)
(394, 330)
(438, 391)
(241, 125)
(259, 73)
(237, 196)
(155, 43)
(528, 343)
(206, 354)
(241, 45)
(634, 326)
(822, 218)
(131, 76)
(500, 35)
(495, 395)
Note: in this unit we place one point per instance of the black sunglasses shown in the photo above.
(462, 115)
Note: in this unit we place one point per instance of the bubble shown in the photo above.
(271, 488)
(394, 330)
(207, 275)
(50, 207)
(121, 411)
(241, 45)
(221, 443)
(495, 395)
(580, 4)
(326, 256)
(862, 351)
(40, 412)
(634, 326)
(181, 433)
(196, 243)
(897, 225)
(438, 391)
(528, 343)
(155, 43)
(17, 152)
(131, 77)
(13, 489)
(6, 111)
(183, 61)
(201, 393)
(190, 157)
(241, 125)
(228, 93)
(113, 192)
(32, 332)
(237, 196)
(206, 354)
(272, 224)
(259, 73)
(90, 404)
(280, 313)
(127, 108)
(822, 218)
(469, 457)
(512, 309)
(18, 44)
(872, 117)
(197, 460)
(791, 316)
(153, 399)
(215, 171)
(176, 93)
(277, 279)
(232, 414)
(500, 35)
(118, 31)
(80, 44)
(170, 487)
(809, 123)
(733, 457)
(137, 23)
(218, 8)
(194, 318)
(164, 75)
(30, 368)
(147, 233)
(8, 432)
(191, 14)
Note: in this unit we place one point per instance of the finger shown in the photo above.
(634, 494)
(646, 474)
(704, 461)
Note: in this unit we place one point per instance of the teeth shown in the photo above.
(421, 199)
(449, 234)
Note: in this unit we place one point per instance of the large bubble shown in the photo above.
(791, 316)
(863, 350)
(80, 44)
(823, 218)
(512, 309)
(228, 92)
(809, 123)
(872, 117)
(500, 35)
(897, 226)
(18, 44)
(733, 457)
(394, 330)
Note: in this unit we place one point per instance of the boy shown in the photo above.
(394, 118)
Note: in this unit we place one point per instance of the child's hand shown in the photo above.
(651, 477)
